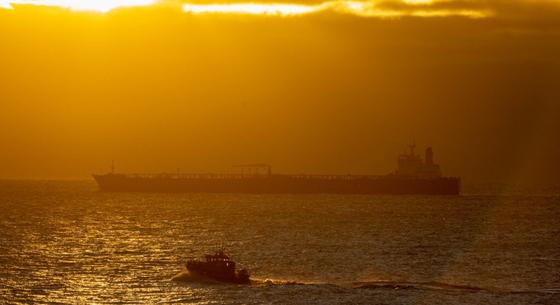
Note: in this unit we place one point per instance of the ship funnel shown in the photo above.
(429, 156)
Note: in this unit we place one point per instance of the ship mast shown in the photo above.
(412, 147)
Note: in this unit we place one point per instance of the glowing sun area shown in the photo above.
(82, 5)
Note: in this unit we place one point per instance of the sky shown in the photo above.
(306, 86)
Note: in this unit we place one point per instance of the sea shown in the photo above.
(65, 242)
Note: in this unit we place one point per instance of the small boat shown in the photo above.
(220, 267)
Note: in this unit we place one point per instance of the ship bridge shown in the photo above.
(410, 164)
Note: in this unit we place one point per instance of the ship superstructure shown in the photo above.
(410, 164)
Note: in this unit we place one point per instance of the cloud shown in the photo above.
(377, 8)
(518, 9)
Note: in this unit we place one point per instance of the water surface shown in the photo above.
(67, 243)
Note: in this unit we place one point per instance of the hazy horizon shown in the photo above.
(339, 91)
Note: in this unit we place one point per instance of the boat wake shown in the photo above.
(185, 276)
(281, 282)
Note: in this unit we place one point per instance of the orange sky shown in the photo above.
(335, 87)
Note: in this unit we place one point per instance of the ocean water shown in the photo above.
(67, 243)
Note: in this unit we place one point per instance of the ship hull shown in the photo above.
(225, 278)
(281, 184)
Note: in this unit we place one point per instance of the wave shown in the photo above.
(415, 285)
(449, 287)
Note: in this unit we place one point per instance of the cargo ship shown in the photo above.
(413, 175)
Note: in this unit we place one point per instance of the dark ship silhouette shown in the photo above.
(220, 267)
(413, 176)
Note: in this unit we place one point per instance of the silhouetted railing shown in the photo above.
(215, 176)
